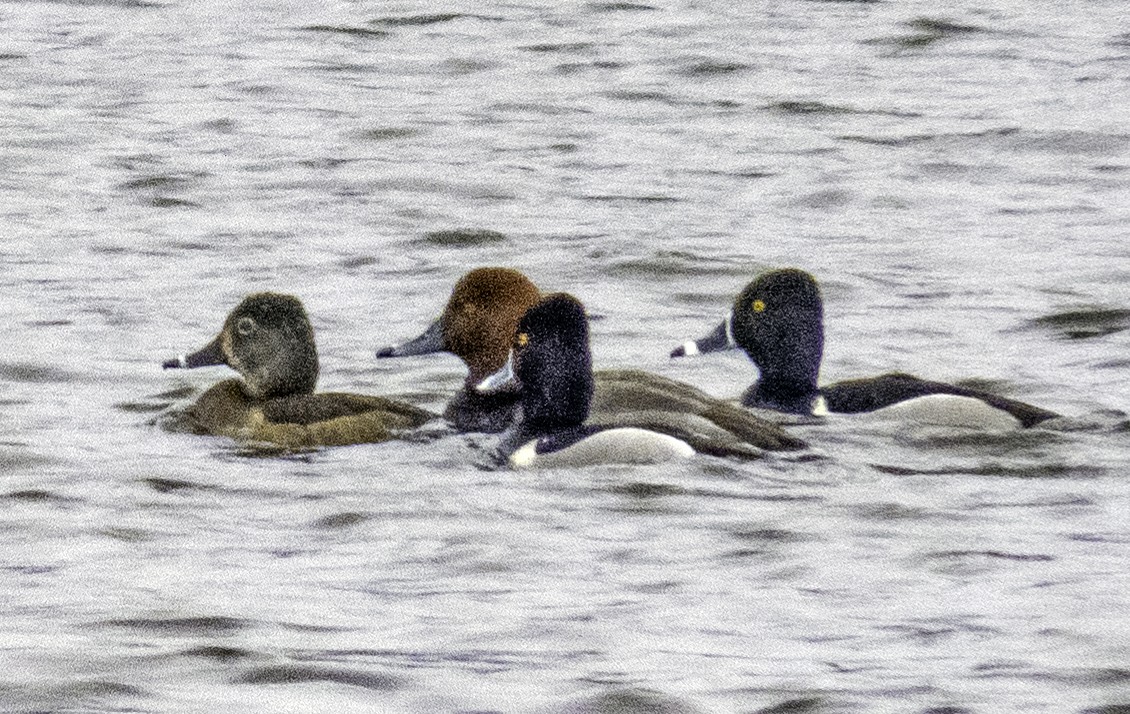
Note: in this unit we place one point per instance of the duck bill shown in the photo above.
(502, 381)
(211, 355)
(719, 340)
(429, 342)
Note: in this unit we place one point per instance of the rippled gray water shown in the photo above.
(957, 177)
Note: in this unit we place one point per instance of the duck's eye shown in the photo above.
(245, 326)
(757, 306)
(521, 340)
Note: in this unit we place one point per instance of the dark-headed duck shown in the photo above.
(479, 324)
(778, 320)
(268, 339)
(550, 366)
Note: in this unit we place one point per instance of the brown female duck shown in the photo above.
(269, 341)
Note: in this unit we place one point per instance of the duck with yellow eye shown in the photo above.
(778, 320)
(478, 325)
(550, 367)
(269, 341)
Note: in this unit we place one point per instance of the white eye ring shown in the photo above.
(245, 326)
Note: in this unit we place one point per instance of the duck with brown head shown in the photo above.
(269, 341)
(478, 325)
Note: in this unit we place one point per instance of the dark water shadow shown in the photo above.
(628, 701)
(1004, 470)
(356, 32)
(339, 521)
(294, 673)
(925, 31)
(620, 7)
(1107, 709)
(95, 690)
(462, 238)
(1083, 323)
(705, 67)
(424, 20)
(203, 626)
(225, 654)
(675, 265)
(31, 373)
(816, 108)
(388, 133)
(172, 485)
(15, 457)
(800, 705)
(39, 496)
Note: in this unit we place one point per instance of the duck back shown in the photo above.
(873, 393)
(301, 421)
(309, 409)
(631, 397)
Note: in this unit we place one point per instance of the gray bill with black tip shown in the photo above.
(721, 338)
(211, 355)
(430, 341)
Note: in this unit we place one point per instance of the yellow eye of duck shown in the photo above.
(758, 306)
(521, 339)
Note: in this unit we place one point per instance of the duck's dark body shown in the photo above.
(873, 393)
(778, 320)
(550, 365)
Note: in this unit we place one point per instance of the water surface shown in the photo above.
(956, 177)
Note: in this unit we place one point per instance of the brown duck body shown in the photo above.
(301, 421)
(269, 341)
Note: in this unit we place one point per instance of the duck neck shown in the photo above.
(789, 364)
(563, 409)
(557, 393)
(784, 393)
(469, 410)
(292, 374)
